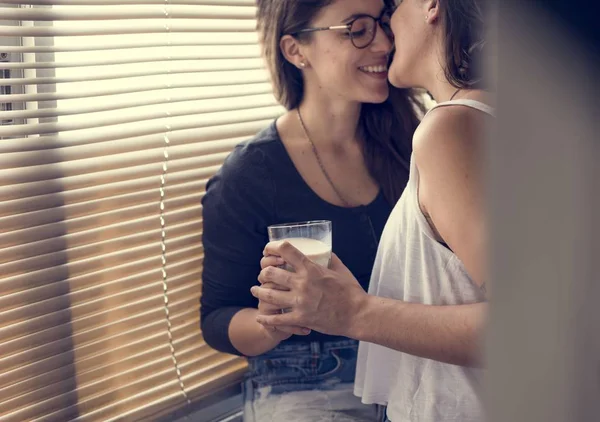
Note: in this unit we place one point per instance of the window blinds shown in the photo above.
(115, 114)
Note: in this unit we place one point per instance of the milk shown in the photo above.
(315, 250)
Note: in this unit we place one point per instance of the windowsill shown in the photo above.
(223, 406)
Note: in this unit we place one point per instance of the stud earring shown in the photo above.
(302, 65)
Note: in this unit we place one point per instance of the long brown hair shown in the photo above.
(386, 129)
(464, 41)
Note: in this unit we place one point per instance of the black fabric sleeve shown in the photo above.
(237, 209)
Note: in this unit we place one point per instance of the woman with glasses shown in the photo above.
(339, 153)
(422, 323)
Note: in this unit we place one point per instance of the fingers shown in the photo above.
(268, 309)
(288, 253)
(271, 261)
(281, 320)
(276, 276)
(278, 298)
(299, 331)
(269, 285)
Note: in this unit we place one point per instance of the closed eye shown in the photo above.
(358, 33)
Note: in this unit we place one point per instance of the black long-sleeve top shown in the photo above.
(257, 186)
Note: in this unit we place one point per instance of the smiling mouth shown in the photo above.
(374, 69)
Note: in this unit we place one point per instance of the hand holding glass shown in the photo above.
(312, 238)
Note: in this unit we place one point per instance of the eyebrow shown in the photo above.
(359, 15)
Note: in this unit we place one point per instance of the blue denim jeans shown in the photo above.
(305, 382)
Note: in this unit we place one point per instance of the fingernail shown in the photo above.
(306, 331)
(253, 290)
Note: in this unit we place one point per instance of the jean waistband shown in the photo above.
(313, 347)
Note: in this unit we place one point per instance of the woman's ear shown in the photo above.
(292, 51)
(432, 8)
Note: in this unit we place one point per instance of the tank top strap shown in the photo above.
(478, 105)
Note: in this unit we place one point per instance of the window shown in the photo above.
(113, 119)
(7, 56)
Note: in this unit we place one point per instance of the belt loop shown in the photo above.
(315, 349)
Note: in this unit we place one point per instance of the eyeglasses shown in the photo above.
(361, 30)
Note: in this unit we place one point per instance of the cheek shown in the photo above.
(405, 42)
(402, 25)
(337, 66)
(400, 64)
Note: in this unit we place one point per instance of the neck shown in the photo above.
(442, 90)
(433, 77)
(330, 123)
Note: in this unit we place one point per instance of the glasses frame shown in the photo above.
(376, 20)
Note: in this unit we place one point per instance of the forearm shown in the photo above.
(450, 334)
(248, 336)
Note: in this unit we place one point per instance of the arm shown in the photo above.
(449, 334)
(236, 211)
(332, 301)
(447, 153)
(244, 335)
(252, 338)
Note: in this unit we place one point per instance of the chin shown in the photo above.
(398, 79)
(377, 100)
(402, 84)
(397, 82)
(376, 97)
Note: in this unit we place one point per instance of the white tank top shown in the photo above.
(412, 266)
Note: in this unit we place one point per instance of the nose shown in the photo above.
(382, 42)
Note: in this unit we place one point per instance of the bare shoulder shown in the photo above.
(450, 132)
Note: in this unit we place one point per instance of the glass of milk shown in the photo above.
(312, 238)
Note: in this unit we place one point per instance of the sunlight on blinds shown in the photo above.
(119, 117)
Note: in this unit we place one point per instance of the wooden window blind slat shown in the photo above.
(113, 122)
